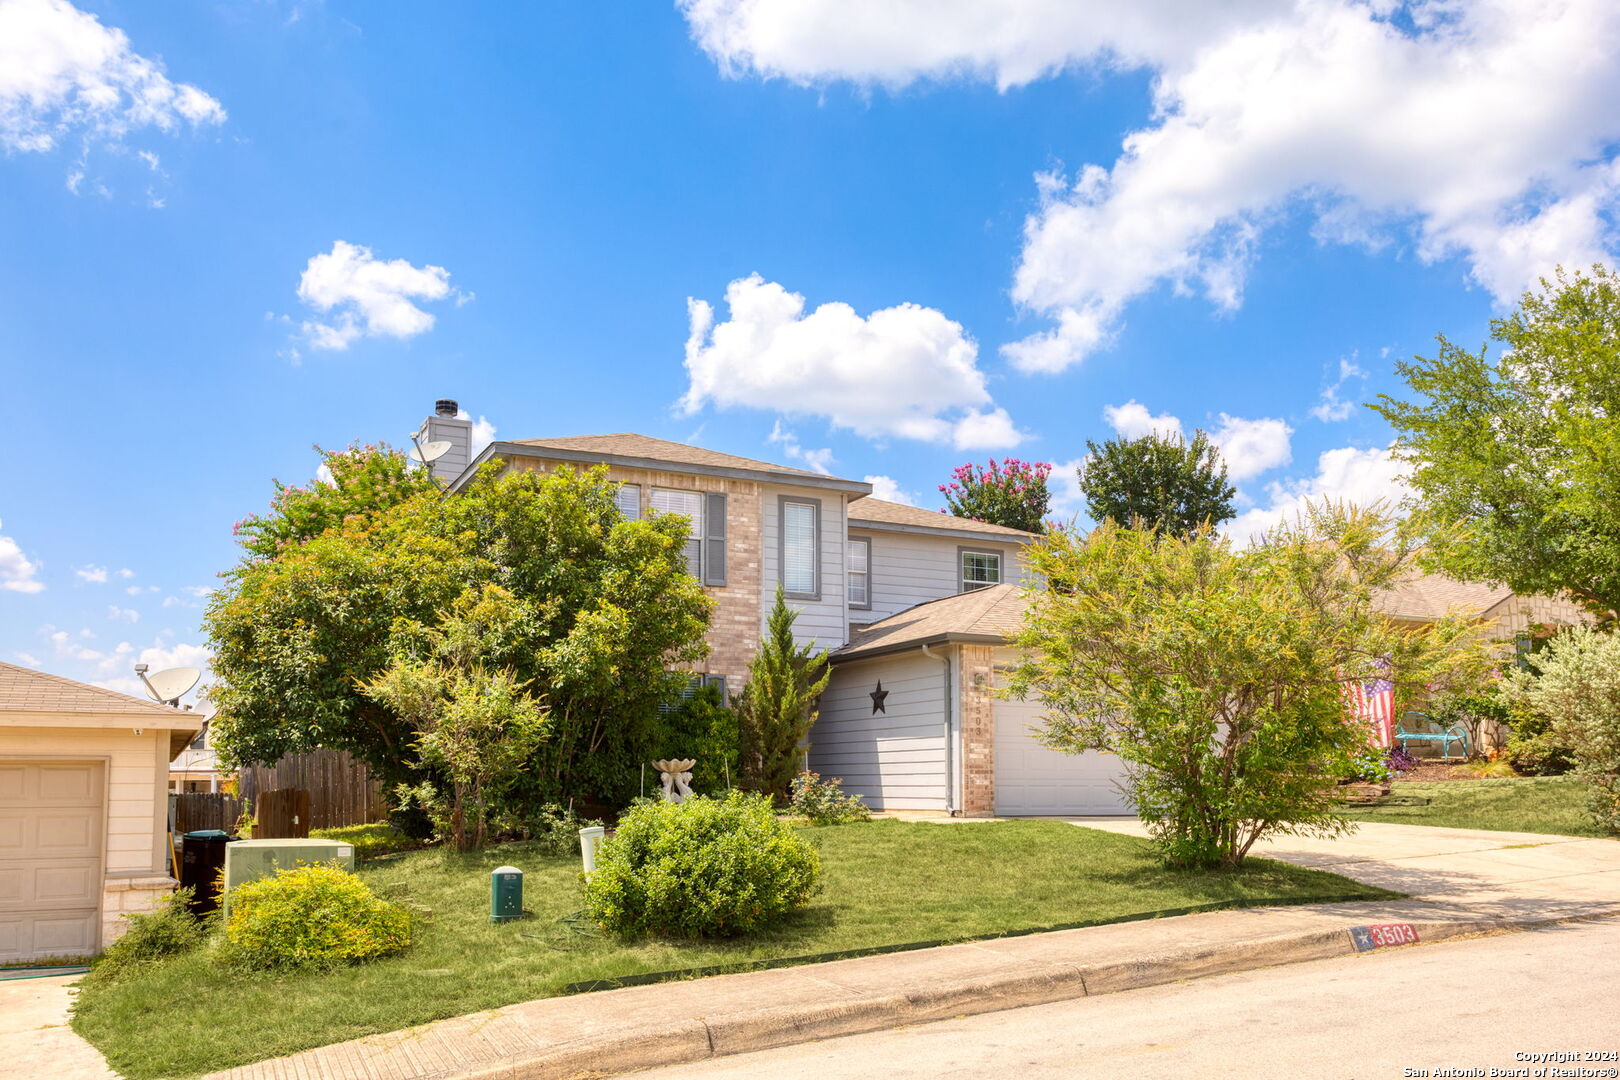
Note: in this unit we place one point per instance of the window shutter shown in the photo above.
(714, 543)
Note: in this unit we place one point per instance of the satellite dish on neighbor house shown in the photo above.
(428, 453)
(171, 685)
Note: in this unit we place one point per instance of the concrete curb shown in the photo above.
(633, 1048)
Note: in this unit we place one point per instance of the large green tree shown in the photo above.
(1161, 481)
(1218, 674)
(603, 610)
(1523, 448)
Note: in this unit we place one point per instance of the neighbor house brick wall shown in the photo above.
(976, 689)
(734, 625)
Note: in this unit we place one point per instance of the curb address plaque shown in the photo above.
(1383, 935)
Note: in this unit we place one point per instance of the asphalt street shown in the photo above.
(1475, 1004)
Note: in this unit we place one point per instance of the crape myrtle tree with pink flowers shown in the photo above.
(1010, 492)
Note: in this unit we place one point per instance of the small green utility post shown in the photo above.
(505, 894)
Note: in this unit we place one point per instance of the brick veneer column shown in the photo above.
(976, 698)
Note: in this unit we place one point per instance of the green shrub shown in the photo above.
(1578, 690)
(704, 867)
(553, 829)
(312, 917)
(169, 929)
(1533, 749)
(824, 802)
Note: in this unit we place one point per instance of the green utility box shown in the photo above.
(505, 894)
(250, 860)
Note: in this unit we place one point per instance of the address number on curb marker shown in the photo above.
(1383, 935)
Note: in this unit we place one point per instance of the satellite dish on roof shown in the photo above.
(171, 685)
(428, 453)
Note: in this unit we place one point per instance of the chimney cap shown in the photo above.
(446, 407)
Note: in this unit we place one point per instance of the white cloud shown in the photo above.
(1251, 447)
(63, 74)
(885, 487)
(483, 432)
(136, 590)
(904, 371)
(95, 575)
(28, 658)
(1332, 408)
(1064, 484)
(816, 460)
(1445, 129)
(17, 570)
(118, 614)
(1132, 420)
(367, 297)
(1360, 477)
(126, 573)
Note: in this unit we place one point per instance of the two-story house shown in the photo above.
(908, 600)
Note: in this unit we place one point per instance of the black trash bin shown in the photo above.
(202, 862)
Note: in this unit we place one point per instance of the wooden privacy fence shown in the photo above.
(340, 791)
(205, 810)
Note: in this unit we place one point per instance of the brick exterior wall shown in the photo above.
(977, 702)
(734, 624)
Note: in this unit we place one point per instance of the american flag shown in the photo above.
(1374, 703)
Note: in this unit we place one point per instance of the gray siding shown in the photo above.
(910, 568)
(894, 760)
(824, 620)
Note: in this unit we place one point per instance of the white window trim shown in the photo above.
(962, 584)
(781, 545)
(865, 575)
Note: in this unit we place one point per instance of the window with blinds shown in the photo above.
(688, 504)
(629, 499)
(858, 573)
(801, 548)
(980, 569)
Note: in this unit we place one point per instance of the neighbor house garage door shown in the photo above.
(1032, 780)
(50, 859)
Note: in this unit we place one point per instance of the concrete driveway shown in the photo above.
(1494, 874)
(35, 1040)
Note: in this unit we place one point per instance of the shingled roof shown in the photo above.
(985, 616)
(880, 513)
(1426, 597)
(26, 690)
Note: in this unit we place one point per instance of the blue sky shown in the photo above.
(232, 229)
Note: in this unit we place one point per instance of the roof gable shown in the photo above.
(984, 615)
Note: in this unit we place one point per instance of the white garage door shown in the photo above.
(1034, 781)
(50, 859)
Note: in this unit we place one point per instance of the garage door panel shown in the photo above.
(14, 885)
(68, 885)
(68, 784)
(13, 779)
(65, 835)
(67, 935)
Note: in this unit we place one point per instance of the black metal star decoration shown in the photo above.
(877, 697)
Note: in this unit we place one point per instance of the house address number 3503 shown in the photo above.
(1383, 935)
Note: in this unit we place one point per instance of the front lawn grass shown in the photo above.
(886, 883)
(1537, 804)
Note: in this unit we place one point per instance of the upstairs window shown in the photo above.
(688, 504)
(628, 498)
(801, 548)
(859, 572)
(980, 569)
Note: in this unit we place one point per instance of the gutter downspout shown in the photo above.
(950, 757)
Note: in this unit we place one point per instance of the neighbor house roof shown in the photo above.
(1425, 597)
(873, 513)
(983, 616)
(26, 690)
(645, 452)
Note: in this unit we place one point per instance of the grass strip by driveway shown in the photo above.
(1537, 804)
(887, 883)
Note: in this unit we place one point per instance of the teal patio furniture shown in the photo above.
(1444, 736)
